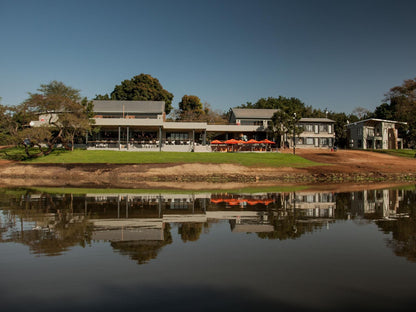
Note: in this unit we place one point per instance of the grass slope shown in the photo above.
(401, 152)
(119, 157)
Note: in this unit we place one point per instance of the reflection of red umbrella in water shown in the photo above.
(232, 201)
(252, 202)
(216, 201)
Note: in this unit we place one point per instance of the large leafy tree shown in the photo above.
(190, 109)
(284, 123)
(66, 115)
(288, 105)
(400, 104)
(191, 103)
(341, 122)
(142, 87)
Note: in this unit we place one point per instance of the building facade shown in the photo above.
(142, 126)
(374, 134)
(317, 133)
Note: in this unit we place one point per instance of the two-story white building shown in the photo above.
(374, 134)
(317, 132)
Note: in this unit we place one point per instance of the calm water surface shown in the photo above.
(203, 252)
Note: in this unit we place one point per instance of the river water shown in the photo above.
(148, 250)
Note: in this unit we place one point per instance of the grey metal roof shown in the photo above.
(253, 113)
(316, 120)
(129, 106)
(376, 120)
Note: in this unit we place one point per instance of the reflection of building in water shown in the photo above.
(315, 205)
(249, 213)
(143, 217)
(127, 229)
(376, 203)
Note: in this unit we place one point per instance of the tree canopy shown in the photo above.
(191, 103)
(288, 105)
(400, 104)
(142, 87)
(65, 116)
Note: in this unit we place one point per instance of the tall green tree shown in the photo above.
(142, 87)
(190, 109)
(284, 123)
(288, 105)
(341, 122)
(191, 103)
(66, 115)
(400, 105)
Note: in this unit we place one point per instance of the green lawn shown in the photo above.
(119, 157)
(401, 152)
(83, 191)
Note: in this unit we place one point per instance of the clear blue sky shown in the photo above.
(330, 54)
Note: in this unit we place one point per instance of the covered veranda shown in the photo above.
(159, 135)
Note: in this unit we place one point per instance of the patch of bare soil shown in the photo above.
(343, 168)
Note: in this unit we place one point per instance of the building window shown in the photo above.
(251, 122)
(309, 141)
(308, 128)
(370, 132)
(323, 128)
(324, 142)
(177, 136)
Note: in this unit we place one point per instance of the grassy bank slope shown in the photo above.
(118, 157)
(401, 152)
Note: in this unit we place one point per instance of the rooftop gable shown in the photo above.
(322, 120)
(253, 113)
(373, 121)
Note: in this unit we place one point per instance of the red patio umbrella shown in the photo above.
(266, 141)
(252, 141)
(216, 142)
(231, 141)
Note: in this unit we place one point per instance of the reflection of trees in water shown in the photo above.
(403, 229)
(191, 231)
(62, 220)
(289, 225)
(55, 242)
(143, 251)
(57, 227)
(54, 236)
(403, 241)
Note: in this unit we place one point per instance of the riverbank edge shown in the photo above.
(209, 176)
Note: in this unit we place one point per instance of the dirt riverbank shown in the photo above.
(342, 168)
